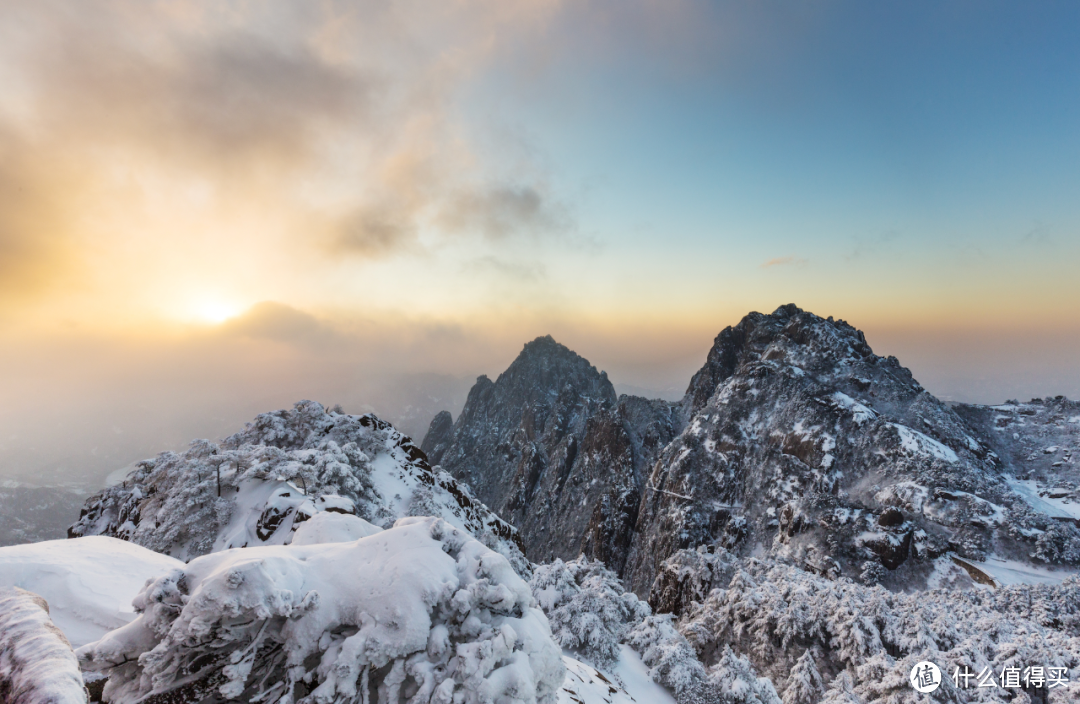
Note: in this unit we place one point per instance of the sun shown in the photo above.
(215, 311)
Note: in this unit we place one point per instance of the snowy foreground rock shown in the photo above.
(258, 487)
(88, 582)
(37, 665)
(420, 612)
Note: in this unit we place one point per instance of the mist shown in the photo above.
(78, 406)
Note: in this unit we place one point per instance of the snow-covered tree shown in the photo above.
(774, 613)
(738, 683)
(420, 612)
(257, 486)
(804, 685)
(587, 607)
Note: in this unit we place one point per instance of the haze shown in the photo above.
(214, 209)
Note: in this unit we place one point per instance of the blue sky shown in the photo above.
(947, 126)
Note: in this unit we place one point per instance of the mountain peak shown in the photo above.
(546, 368)
(788, 334)
(788, 310)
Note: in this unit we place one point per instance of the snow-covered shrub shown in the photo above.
(420, 612)
(671, 660)
(37, 665)
(773, 613)
(737, 682)
(872, 572)
(587, 607)
(257, 486)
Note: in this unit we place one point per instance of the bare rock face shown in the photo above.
(551, 449)
(439, 436)
(688, 576)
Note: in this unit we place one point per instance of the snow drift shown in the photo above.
(420, 612)
(257, 487)
(88, 582)
(37, 665)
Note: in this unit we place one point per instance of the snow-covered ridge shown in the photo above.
(258, 486)
(419, 612)
(37, 665)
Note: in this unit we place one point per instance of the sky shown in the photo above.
(214, 209)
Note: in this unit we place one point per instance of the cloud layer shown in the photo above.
(287, 129)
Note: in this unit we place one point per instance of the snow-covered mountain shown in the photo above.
(1039, 444)
(793, 440)
(258, 486)
(553, 451)
(802, 528)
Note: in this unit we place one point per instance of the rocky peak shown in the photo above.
(548, 438)
(545, 369)
(801, 442)
(793, 440)
(439, 435)
(798, 337)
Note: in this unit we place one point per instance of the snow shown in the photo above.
(915, 443)
(624, 682)
(1009, 572)
(327, 527)
(1055, 508)
(859, 413)
(37, 665)
(258, 486)
(911, 495)
(420, 611)
(635, 678)
(89, 583)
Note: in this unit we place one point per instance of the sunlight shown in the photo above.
(215, 311)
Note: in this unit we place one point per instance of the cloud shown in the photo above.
(1038, 236)
(310, 129)
(502, 211)
(784, 261)
(281, 323)
(373, 231)
(531, 272)
(33, 219)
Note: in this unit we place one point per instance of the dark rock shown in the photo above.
(439, 436)
(687, 577)
(890, 517)
(550, 448)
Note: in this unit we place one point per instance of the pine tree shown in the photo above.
(804, 685)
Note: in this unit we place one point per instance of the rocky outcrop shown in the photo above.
(551, 448)
(439, 436)
(798, 438)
